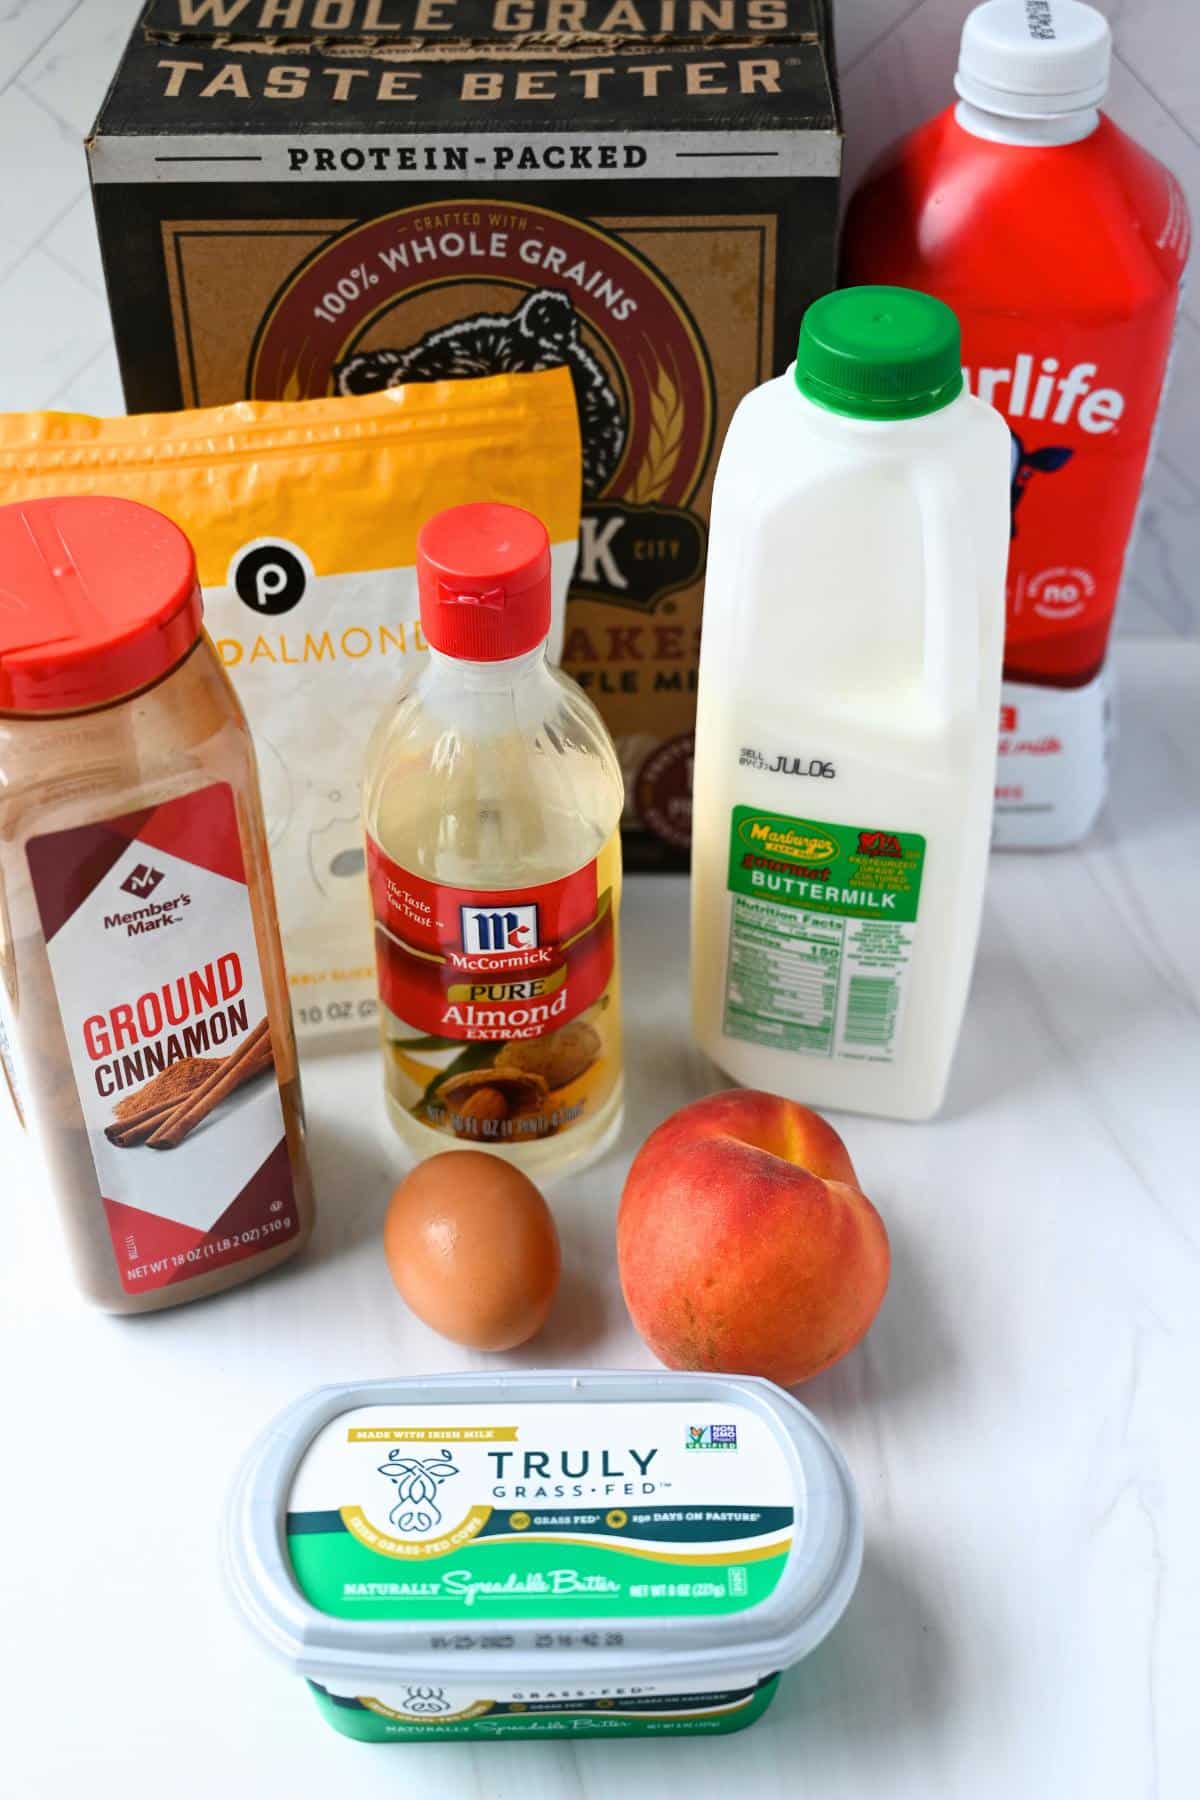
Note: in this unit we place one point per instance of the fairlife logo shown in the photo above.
(1040, 388)
(499, 931)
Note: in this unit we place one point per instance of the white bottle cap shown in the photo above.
(1034, 59)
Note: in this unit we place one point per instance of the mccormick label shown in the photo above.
(821, 932)
(501, 1016)
(150, 938)
(472, 1514)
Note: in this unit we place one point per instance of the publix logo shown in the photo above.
(460, 289)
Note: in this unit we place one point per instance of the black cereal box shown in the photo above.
(308, 197)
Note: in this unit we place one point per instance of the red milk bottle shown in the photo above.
(1060, 244)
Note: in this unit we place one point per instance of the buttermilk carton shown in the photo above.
(308, 197)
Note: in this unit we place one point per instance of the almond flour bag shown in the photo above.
(304, 516)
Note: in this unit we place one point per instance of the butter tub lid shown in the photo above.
(579, 1520)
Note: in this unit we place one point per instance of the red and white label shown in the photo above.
(506, 964)
(150, 939)
(1052, 768)
(1080, 400)
(499, 1004)
(1063, 264)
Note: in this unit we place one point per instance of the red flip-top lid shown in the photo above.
(483, 575)
(98, 598)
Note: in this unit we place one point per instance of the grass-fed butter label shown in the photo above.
(563, 1554)
(592, 1510)
(545, 1708)
(822, 924)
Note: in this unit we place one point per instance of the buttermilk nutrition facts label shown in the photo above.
(821, 934)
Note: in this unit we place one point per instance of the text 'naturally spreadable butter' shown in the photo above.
(553, 1555)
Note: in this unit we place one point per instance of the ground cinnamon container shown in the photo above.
(145, 1032)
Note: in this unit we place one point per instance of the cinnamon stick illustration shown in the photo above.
(252, 1056)
(180, 1081)
(135, 1130)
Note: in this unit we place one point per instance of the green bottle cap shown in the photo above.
(879, 353)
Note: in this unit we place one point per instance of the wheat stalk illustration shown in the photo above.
(664, 442)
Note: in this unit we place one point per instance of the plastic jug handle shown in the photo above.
(951, 661)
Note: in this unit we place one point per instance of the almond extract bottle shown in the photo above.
(492, 805)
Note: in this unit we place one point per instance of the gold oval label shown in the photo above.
(783, 837)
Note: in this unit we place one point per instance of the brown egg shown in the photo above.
(472, 1247)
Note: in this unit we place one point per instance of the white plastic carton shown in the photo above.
(558, 1554)
(845, 738)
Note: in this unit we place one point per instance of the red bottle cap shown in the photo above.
(98, 598)
(483, 574)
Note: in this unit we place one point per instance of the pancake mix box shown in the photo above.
(309, 197)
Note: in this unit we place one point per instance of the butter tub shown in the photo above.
(568, 1554)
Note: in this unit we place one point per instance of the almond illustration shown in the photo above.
(558, 1058)
(477, 1098)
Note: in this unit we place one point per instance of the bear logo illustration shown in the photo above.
(541, 333)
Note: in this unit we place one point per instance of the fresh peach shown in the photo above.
(744, 1243)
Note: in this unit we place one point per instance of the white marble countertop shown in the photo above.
(1021, 1420)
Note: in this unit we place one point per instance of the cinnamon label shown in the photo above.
(501, 1007)
(150, 938)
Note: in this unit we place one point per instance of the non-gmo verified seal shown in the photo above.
(711, 1437)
